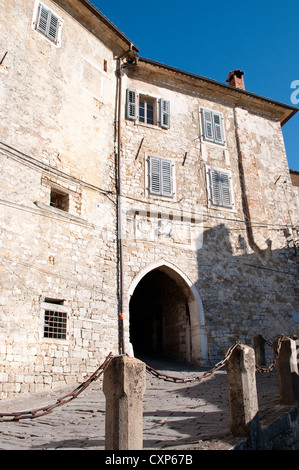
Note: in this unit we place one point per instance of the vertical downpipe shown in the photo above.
(119, 216)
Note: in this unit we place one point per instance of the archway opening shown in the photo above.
(160, 316)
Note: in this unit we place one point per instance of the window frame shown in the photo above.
(211, 172)
(45, 31)
(161, 109)
(63, 199)
(212, 131)
(164, 183)
(147, 101)
(56, 307)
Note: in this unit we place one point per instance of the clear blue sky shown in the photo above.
(210, 38)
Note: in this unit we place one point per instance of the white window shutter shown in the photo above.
(220, 188)
(207, 117)
(160, 177)
(215, 187)
(53, 27)
(212, 124)
(131, 105)
(164, 114)
(43, 19)
(154, 175)
(166, 171)
(47, 23)
(218, 129)
(226, 190)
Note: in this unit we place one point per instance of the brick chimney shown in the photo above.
(235, 79)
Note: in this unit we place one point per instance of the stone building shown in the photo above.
(295, 182)
(144, 209)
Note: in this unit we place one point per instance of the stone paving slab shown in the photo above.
(176, 416)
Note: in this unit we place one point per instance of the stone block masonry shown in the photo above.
(206, 201)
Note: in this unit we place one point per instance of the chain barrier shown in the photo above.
(265, 370)
(37, 413)
(204, 375)
(218, 366)
(16, 416)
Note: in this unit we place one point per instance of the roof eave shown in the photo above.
(290, 111)
(109, 24)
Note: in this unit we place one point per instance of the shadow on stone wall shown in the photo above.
(244, 294)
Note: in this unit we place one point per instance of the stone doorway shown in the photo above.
(159, 317)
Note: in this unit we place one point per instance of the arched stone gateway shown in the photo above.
(166, 314)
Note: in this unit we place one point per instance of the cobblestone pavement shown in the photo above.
(176, 416)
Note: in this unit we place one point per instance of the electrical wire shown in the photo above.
(9, 152)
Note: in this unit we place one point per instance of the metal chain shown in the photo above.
(218, 366)
(206, 374)
(276, 357)
(16, 416)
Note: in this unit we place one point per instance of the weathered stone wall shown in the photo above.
(295, 183)
(243, 272)
(57, 132)
(230, 276)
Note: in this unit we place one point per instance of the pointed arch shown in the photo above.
(197, 318)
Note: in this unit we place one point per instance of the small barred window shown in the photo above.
(55, 319)
(55, 324)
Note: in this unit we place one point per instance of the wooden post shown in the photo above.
(287, 371)
(243, 403)
(124, 387)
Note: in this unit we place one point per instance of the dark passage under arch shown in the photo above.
(159, 317)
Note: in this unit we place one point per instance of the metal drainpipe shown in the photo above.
(119, 217)
(119, 208)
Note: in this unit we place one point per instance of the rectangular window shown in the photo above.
(55, 324)
(212, 126)
(47, 23)
(147, 110)
(220, 188)
(160, 177)
(59, 200)
(55, 319)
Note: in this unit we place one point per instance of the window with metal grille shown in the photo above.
(55, 324)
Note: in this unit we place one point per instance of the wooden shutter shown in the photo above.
(131, 107)
(212, 126)
(53, 27)
(42, 19)
(218, 130)
(47, 23)
(225, 190)
(164, 113)
(215, 187)
(220, 188)
(166, 171)
(154, 175)
(207, 120)
(160, 177)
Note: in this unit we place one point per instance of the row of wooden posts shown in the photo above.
(124, 387)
